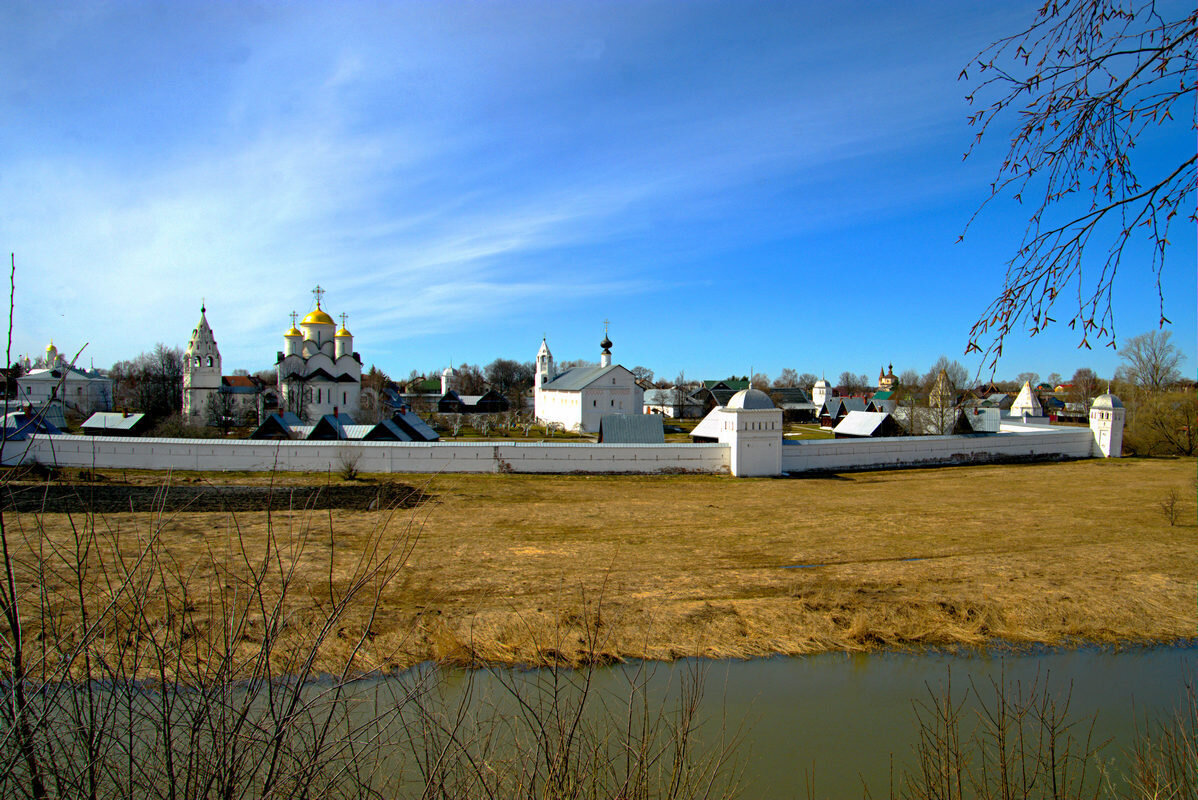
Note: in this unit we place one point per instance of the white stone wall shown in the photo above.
(840, 454)
(250, 455)
(199, 454)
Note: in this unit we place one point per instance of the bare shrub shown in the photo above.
(1171, 507)
(551, 733)
(1165, 759)
(1022, 742)
(128, 675)
(348, 461)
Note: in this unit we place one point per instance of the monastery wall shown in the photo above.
(823, 455)
(1029, 443)
(111, 452)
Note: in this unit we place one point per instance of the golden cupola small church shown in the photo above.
(319, 372)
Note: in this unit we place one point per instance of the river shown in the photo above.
(838, 722)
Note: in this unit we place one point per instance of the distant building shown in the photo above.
(887, 379)
(57, 387)
(675, 402)
(1026, 403)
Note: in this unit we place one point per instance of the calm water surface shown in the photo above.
(839, 719)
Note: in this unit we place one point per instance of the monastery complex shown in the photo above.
(320, 386)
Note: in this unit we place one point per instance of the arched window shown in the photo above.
(210, 361)
(197, 361)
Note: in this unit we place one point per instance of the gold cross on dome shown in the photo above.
(605, 324)
(293, 316)
(318, 293)
(343, 316)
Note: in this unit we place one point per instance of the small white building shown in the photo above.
(1026, 403)
(579, 398)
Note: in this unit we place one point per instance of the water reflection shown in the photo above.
(840, 721)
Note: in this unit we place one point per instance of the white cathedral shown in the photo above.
(579, 397)
(319, 372)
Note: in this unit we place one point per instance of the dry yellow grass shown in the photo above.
(527, 569)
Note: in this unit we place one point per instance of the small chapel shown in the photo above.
(578, 398)
(319, 372)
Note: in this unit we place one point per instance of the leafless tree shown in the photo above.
(850, 384)
(1151, 360)
(1085, 80)
(681, 390)
(643, 374)
(786, 379)
(958, 376)
(222, 411)
(1086, 386)
(909, 379)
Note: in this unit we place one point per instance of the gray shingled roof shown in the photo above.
(112, 421)
(578, 378)
(631, 429)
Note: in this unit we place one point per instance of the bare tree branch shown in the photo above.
(1086, 80)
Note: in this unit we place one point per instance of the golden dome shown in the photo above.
(318, 317)
(342, 332)
(293, 331)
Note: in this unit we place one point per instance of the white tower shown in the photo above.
(343, 341)
(819, 392)
(447, 380)
(1106, 423)
(752, 426)
(292, 340)
(545, 371)
(605, 355)
(201, 370)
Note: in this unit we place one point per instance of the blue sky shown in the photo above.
(732, 185)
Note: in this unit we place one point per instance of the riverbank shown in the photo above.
(525, 569)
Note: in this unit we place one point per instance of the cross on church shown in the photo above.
(318, 293)
(605, 324)
(343, 316)
(293, 316)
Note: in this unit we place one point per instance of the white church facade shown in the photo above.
(578, 398)
(319, 372)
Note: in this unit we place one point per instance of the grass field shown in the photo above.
(531, 569)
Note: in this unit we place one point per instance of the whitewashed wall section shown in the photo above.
(840, 454)
(197, 454)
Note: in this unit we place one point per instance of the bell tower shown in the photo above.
(545, 372)
(201, 370)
